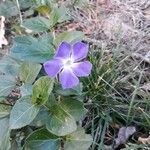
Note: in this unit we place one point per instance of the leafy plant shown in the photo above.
(27, 92)
(62, 90)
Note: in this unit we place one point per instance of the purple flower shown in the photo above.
(67, 63)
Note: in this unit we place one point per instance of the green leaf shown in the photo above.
(54, 18)
(41, 90)
(44, 2)
(9, 66)
(47, 40)
(4, 134)
(42, 140)
(78, 140)
(62, 13)
(4, 110)
(7, 84)
(27, 48)
(59, 15)
(23, 113)
(8, 8)
(29, 72)
(25, 3)
(71, 36)
(73, 107)
(51, 101)
(60, 122)
(44, 9)
(2, 98)
(41, 118)
(6, 144)
(37, 24)
(77, 90)
(26, 90)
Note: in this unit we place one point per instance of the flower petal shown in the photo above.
(68, 79)
(64, 50)
(80, 51)
(82, 69)
(53, 67)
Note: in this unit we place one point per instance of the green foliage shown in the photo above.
(58, 15)
(29, 72)
(23, 113)
(44, 2)
(60, 122)
(28, 48)
(4, 110)
(24, 4)
(4, 136)
(26, 90)
(8, 8)
(74, 91)
(7, 84)
(73, 107)
(70, 36)
(41, 119)
(41, 90)
(29, 100)
(63, 114)
(9, 66)
(78, 140)
(42, 139)
(51, 17)
(101, 79)
(44, 9)
(37, 24)
(36, 113)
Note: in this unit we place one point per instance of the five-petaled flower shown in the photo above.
(67, 63)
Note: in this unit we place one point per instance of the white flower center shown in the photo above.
(68, 64)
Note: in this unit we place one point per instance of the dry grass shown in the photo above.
(120, 29)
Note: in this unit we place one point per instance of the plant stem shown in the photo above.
(18, 6)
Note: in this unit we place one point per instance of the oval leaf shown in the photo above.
(9, 66)
(43, 9)
(27, 48)
(41, 90)
(37, 24)
(8, 8)
(78, 140)
(23, 113)
(60, 122)
(7, 84)
(26, 90)
(71, 36)
(41, 140)
(29, 72)
(4, 110)
(4, 134)
(74, 107)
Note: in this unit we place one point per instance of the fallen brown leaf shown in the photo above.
(123, 135)
(144, 140)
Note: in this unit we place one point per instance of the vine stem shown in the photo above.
(1, 103)
(18, 6)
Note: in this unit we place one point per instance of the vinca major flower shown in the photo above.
(69, 63)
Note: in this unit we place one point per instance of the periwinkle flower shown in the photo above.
(68, 63)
